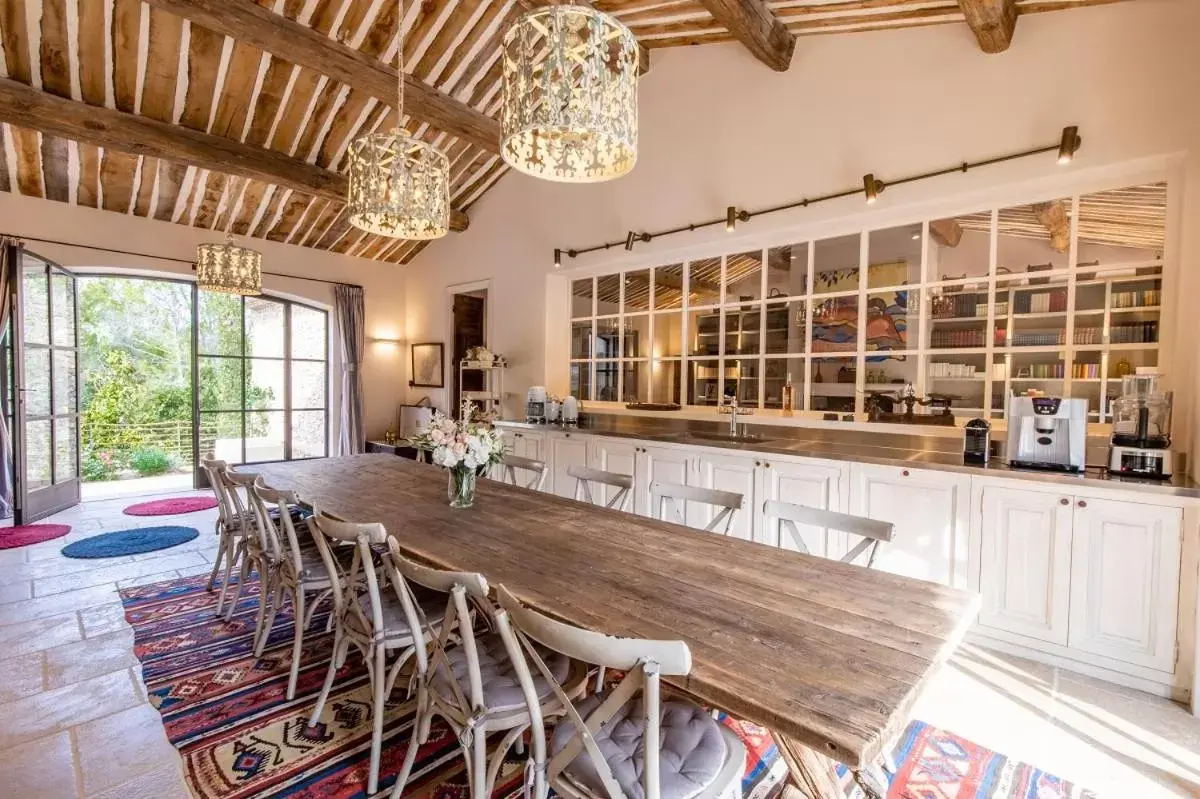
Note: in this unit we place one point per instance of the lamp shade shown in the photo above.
(569, 109)
(229, 269)
(399, 186)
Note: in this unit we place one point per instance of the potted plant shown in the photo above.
(466, 449)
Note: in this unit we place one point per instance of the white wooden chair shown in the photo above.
(472, 685)
(536, 471)
(666, 504)
(872, 531)
(238, 485)
(230, 528)
(618, 745)
(291, 566)
(371, 620)
(621, 499)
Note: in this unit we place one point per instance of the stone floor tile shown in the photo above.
(52, 711)
(53, 605)
(24, 675)
(103, 619)
(115, 748)
(88, 658)
(40, 769)
(15, 590)
(39, 634)
(165, 782)
(104, 574)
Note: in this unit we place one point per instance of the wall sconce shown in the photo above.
(394, 342)
(635, 237)
(1070, 143)
(872, 188)
(733, 216)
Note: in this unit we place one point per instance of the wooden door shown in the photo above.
(734, 473)
(565, 450)
(1125, 581)
(613, 455)
(929, 510)
(1025, 555)
(659, 464)
(469, 331)
(813, 485)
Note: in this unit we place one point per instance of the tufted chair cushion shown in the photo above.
(501, 689)
(692, 750)
(395, 625)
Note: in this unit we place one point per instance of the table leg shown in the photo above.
(811, 774)
(872, 782)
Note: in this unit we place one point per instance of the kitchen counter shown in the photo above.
(927, 449)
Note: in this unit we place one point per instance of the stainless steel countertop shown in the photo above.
(935, 452)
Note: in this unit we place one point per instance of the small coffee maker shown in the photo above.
(1047, 433)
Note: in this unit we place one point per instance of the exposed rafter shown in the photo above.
(29, 108)
(946, 232)
(273, 33)
(1053, 216)
(757, 28)
(992, 22)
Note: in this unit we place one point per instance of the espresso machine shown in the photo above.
(1141, 435)
(1047, 433)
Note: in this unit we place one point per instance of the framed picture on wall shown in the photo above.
(427, 367)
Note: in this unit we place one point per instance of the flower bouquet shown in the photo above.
(466, 449)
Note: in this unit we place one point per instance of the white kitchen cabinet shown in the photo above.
(1025, 562)
(660, 465)
(1125, 581)
(812, 484)
(565, 450)
(929, 510)
(734, 473)
(617, 455)
(529, 445)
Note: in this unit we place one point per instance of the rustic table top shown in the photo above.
(830, 655)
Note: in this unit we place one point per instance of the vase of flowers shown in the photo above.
(466, 449)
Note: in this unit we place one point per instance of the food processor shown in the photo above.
(1141, 434)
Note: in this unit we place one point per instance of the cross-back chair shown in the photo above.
(666, 504)
(535, 471)
(238, 485)
(230, 528)
(872, 531)
(586, 479)
(628, 742)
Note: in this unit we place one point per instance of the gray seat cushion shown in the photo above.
(692, 751)
(395, 624)
(501, 689)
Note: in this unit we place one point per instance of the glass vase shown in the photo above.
(461, 489)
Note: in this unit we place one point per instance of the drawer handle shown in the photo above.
(758, 463)
(1064, 501)
(1082, 504)
(904, 473)
(766, 464)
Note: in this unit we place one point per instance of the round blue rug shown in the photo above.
(130, 542)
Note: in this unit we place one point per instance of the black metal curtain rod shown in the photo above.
(1067, 146)
(191, 262)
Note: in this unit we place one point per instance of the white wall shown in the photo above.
(384, 366)
(717, 128)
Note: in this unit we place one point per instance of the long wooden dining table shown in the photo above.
(830, 657)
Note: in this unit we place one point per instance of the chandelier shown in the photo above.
(229, 269)
(399, 186)
(570, 95)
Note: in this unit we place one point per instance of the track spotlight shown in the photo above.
(1069, 145)
(629, 240)
(872, 188)
(557, 258)
(634, 237)
(733, 216)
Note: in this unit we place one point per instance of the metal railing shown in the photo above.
(173, 438)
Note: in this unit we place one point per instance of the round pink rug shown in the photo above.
(171, 507)
(26, 534)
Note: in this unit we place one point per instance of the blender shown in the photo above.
(1141, 435)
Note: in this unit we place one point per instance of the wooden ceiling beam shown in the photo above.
(992, 22)
(1053, 216)
(301, 45)
(946, 232)
(28, 108)
(757, 28)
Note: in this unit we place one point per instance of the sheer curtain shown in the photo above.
(348, 304)
(10, 264)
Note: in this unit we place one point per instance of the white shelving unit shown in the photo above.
(492, 395)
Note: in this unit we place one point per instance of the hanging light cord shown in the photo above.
(400, 64)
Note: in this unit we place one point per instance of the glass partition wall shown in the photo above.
(1062, 295)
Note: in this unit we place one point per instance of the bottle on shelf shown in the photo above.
(787, 396)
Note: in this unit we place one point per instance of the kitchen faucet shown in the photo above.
(733, 414)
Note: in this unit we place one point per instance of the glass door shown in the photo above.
(46, 451)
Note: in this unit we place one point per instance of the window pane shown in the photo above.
(606, 381)
(668, 287)
(37, 380)
(64, 381)
(741, 381)
(264, 384)
(785, 327)
(220, 324)
(787, 271)
(1123, 225)
(264, 436)
(778, 370)
(704, 333)
(888, 320)
(1036, 235)
(833, 381)
(38, 456)
(743, 277)
(221, 436)
(637, 291)
(581, 298)
(581, 381)
(581, 339)
(637, 382)
(264, 328)
(667, 336)
(704, 387)
(666, 376)
(835, 325)
(743, 330)
(62, 304)
(308, 434)
(608, 295)
(608, 337)
(894, 256)
(637, 335)
(960, 247)
(836, 265)
(36, 303)
(220, 384)
(308, 384)
(309, 335)
(64, 449)
(704, 282)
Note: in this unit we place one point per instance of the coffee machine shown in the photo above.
(1141, 436)
(1047, 433)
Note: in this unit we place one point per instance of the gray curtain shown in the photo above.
(348, 304)
(10, 260)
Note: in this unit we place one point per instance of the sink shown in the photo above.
(740, 438)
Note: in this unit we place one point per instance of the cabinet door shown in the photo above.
(813, 485)
(929, 510)
(663, 465)
(1125, 581)
(529, 445)
(614, 455)
(726, 473)
(565, 450)
(1025, 563)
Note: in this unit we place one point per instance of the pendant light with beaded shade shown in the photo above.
(399, 185)
(229, 269)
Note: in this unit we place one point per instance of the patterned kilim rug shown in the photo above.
(239, 737)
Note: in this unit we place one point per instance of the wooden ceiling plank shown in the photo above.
(170, 180)
(5, 178)
(303, 45)
(203, 61)
(757, 28)
(144, 202)
(162, 66)
(272, 94)
(293, 211)
(321, 223)
(992, 22)
(55, 48)
(87, 192)
(258, 209)
(117, 171)
(93, 69)
(228, 204)
(55, 162)
(241, 75)
(827, 30)
(459, 23)
(13, 39)
(126, 35)
(29, 161)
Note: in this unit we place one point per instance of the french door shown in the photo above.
(46, 390)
